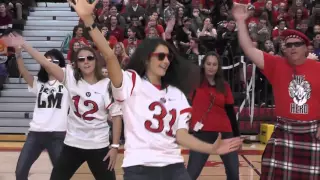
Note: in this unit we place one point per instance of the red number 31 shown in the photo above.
(159, 118)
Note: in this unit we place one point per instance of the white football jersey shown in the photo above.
(151, 120)
(89, 107)
(51, 108)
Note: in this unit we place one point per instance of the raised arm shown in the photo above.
(15, 40)
(240, 13)
(22, 69)
(84, 10)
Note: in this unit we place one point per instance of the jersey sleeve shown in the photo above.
(185, 113)
(34, 88)
(128, 87)
(271, 63)
(115, 109)
(229, 97)
(68, 76)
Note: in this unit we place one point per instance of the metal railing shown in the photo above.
(252, 93)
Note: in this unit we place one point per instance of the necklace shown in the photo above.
(52, 83)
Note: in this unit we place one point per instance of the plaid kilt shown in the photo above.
(293, 152)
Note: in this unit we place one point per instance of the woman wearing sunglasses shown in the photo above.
(49, 123)
(87, 138)
(155, 110)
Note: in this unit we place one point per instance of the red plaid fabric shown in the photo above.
(293, 152)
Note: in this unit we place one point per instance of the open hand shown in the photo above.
(13, 40)
(313, 56)
(225, 146)
(83, 8)
(112, 155)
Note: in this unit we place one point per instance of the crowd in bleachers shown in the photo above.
(194, 27)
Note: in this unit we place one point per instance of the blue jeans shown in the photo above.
(37, 142)
(197, 160)
(170, 172)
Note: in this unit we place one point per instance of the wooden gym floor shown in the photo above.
(249, 157)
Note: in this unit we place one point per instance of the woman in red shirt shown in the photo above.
(213, 113)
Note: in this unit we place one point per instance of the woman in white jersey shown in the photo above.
(155, 109)
(49, 123)
(87, 137)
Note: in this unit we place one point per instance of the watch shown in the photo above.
(116, 146)
(94, 25)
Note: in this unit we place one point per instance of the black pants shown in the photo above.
(170, 172)
(72, 158)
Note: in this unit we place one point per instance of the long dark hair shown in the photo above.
(54, 54)
(218, 77)
(97, 69)
(75, 29)
(181, 73)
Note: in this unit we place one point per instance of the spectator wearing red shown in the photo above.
(77, 36)
(297, 19)
(110, 38)
(115, 29)
(276, 33)
(268, 9)
(114, 12)
(5, 19)
(299, 5)
(152, 23)
(205, 5)
(259, 6)
(132, 42)
(281, 13)
(212, 108)
(276, 3)
(251, 18)
(121, 54)
(100, 11)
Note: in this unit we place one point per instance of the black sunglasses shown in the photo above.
(89, 58)
(161, 56)
(295, 44)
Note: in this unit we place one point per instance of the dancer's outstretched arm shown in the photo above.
(220, 146)
(22, 69)
(84, 10)
(15, 40)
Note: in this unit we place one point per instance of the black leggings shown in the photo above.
(72, 158)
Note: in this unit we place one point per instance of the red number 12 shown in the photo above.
(85, 115)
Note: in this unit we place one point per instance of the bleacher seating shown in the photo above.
(44, 29)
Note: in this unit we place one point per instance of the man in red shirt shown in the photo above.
(293, 151)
